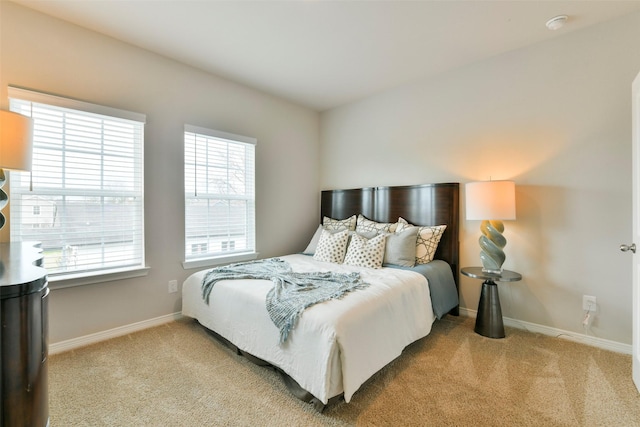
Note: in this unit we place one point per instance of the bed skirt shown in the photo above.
(291, 384)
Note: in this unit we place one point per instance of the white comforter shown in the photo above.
(336, 345)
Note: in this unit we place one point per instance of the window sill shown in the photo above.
(212, 262)
(70, 280)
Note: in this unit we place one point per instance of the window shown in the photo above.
(219, 195)
(86, 205)
(198, 248)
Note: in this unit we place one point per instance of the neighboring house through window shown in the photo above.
(219, 195)
(86, 205)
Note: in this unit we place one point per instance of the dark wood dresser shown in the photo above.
(23, 336)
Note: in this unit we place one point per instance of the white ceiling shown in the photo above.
(321, 53)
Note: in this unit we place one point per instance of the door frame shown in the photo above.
(635, 111)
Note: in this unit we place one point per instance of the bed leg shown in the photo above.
(317, 405)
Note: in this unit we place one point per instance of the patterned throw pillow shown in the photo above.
(402, 224)
(339, 224)
(364, 225)
(427, 241)
(363, 252)
(332, 247)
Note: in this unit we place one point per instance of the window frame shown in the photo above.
(90, 276)
(212, 259)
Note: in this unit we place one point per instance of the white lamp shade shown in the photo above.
(490, 200)
(16, 141)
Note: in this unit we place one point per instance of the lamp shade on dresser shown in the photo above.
(23, 336)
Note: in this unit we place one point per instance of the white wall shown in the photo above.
(45, 54)
(556, 118)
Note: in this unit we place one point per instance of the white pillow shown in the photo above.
(332, 247)
(339, 224)
(427, 241)
(313, 244)
(363, 252)
(364, 225)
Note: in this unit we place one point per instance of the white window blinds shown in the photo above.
(86, 206)
(219, 194)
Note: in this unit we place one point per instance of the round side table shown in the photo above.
(489, 319)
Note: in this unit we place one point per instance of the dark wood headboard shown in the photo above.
(427, 204)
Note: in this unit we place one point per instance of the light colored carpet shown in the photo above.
(178, 375)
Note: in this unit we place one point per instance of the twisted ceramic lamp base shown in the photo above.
(4, 199)
(491, 243)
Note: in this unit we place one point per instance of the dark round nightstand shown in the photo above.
(489, 318)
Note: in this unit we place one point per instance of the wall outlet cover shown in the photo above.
(173, 286)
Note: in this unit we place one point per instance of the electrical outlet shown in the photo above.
(173, 286)
(588, 303)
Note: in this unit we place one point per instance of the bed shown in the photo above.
(337, 345)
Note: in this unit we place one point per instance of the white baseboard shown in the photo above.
(74, 343)
(559, 333)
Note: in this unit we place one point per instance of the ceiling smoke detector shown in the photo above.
(556, 22)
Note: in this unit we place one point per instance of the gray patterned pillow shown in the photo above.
(363, 252)
(332, 247)
(339, 224)
(364, 224)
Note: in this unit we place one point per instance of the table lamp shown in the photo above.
(491, 202)
(16, 143)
